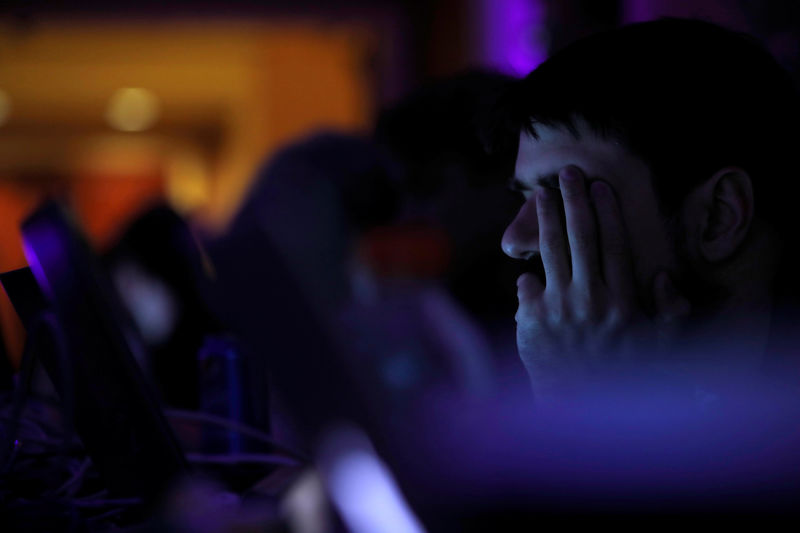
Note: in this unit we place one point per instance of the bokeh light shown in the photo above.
(132, 109)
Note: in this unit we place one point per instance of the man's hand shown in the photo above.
(585, 321)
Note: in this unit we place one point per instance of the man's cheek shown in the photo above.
(651, 253)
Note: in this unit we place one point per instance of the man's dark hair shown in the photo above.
(687, 97)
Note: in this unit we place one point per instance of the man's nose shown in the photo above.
(521, 238)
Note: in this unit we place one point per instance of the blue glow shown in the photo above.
(362, 488)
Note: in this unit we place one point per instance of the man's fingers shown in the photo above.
(616, 257)
(581, 227)
(552, 241)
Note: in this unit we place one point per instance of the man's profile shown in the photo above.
(657, 166)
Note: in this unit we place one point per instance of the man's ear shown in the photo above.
(722, 212)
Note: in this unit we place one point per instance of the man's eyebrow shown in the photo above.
(545, 180)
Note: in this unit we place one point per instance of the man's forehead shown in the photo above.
(540, 158)
(552, 149)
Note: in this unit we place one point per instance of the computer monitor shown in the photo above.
(117, 414)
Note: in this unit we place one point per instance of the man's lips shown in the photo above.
(531, 281)
(529, 285)
(532, 267)
(524, 278)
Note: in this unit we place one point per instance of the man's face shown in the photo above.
(538, 164)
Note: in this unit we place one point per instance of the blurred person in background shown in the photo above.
(157, 267)
(436, 136)
(322, 206)
(656, 166)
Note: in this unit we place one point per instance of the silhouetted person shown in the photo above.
(657, 167)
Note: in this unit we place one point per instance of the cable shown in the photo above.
(106, 515)
(236, 458)
(28, 425)
(90, 504)
(45, 322)
(99, 494)
(197, 416)
(76, 479)
(10, 448)
(64, 363)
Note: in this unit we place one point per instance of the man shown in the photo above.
(656, 163)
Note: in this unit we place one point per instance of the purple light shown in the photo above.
(513, 34)
(34, 261)
(638, 10)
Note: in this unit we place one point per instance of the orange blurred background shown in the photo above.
(115, 116)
